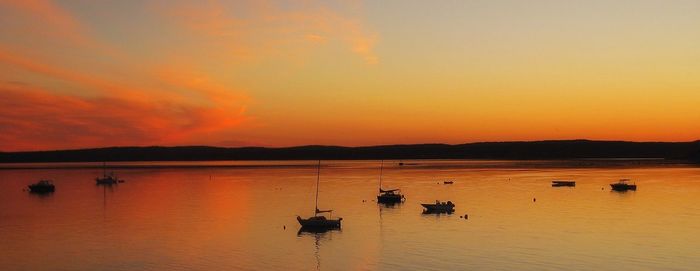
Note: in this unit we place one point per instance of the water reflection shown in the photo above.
(318, 234)
(185, 219)
(437, 212)
(40, 195)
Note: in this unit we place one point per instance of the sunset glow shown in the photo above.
(79, 74)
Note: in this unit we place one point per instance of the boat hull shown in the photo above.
(395, 198)
(563, 183)
(438, 208)
(41, 189)
(315, 222)
(106, 181)
(623, 187)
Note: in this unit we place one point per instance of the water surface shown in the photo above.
(241, 216)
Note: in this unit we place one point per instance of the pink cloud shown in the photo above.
(33, 118)
(115, 113)
(268, 28)
(48, 18)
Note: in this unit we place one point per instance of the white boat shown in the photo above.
(319, 221)
(439, 207)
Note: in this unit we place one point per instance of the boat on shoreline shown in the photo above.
(43, 186)
(319, 221)
(623, 185)
(563, 183)
(439, 207)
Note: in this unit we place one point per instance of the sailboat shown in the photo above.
(319, 221)
(107, 179)
(388, 196)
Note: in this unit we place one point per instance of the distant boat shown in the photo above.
(439, 207)
(623, 185)
(563, 183)
(319, 221)
(43, 186)
(388, 196)
(107, 179)
(448, 182)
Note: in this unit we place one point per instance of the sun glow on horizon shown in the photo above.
(78, 74)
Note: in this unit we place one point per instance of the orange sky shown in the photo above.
(77, 74)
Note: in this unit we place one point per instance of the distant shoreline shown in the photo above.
(517, 150)
(349, 164)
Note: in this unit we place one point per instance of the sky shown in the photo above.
(82, 73)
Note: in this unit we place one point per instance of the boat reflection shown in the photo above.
(390, 205)
(318, 234)
(433, 212)
(315, 230)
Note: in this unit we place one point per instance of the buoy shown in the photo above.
(284, 227)
(534, 199)
(466, 216)
(460, 216)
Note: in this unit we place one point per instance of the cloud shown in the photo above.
(70, 89)
(187, 106)
(33, 118)
(50, 19)
(263, 28)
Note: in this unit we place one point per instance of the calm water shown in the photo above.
(233, 218)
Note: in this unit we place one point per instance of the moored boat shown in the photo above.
(448, 182)
(623, 185)
(43, 186)
(389, 196)
(107, 179)
(439, 207)
(319, 221)
(563, 183)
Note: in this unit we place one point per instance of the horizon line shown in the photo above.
(344, 146)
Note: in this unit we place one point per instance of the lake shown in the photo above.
(242, 216)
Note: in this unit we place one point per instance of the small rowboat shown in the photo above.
(563, 183)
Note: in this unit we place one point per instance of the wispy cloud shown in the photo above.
(263, 28)
(47, 13)
(99, 92)
(150, 105)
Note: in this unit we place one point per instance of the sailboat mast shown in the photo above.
(381, 168)
(318, 177)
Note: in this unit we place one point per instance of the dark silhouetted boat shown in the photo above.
(107, 179)
(623, 185)
(439, 207)
(563, 183)
(43, 186)
(448, 182)
(389, 196)
(319, 221)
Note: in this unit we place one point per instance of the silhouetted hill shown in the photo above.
(536, 150)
